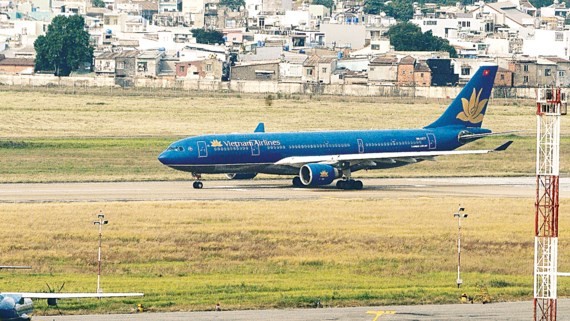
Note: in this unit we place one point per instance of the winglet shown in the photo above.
(503, 147)
(260, 128)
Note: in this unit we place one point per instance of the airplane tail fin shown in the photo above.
(469, 107)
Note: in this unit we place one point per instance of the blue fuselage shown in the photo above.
(258, 152)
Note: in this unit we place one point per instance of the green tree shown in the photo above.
(233, 4)
(208, 37)
(64, 47)
(406, 36)
(98, 3)
(401, 10)
(327, 3)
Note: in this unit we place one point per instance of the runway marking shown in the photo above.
(379, 313)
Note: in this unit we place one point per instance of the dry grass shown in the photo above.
(43, 115)
(189, 255)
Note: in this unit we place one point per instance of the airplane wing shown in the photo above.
(43, 295)
(408, 157)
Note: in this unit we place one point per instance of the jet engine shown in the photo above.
(318, 174)
(241, 175)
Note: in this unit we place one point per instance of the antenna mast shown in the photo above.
(550, 105)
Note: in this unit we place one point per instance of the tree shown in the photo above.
(98, 3)
(208, 37)
(64, 47)
(327, 3)
(233, 4)
(401, 10)
(406, 36)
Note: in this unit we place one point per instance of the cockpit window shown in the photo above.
(175, 148)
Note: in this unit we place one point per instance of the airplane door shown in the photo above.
(254, 147)
(431, 141)
(202, 149)
(360, 146)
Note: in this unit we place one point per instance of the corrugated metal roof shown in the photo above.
(17, 62)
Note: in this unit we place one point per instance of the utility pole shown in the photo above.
(101, 221)
(460, 214)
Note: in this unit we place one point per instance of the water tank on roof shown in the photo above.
(301, 51)
(161, 49)
(286, 48)
(108, 31)
(339, 54)
(355, 19)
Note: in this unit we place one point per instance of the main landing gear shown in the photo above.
(197, 183)
(297, 182)
(348, 184)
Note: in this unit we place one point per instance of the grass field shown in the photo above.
(275, 254)
(84, 137)
(270, 254)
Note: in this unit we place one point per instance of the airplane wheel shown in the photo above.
(357, 185)
(198, 185)
(341, 184)
(297, 182)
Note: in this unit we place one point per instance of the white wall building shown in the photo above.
(547, 43)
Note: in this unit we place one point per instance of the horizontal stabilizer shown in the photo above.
(504, 146)
(473, 136)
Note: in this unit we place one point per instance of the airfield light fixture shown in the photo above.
(460, 214)
(101, 221)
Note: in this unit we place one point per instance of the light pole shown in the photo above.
(101, 221)
(460, 214)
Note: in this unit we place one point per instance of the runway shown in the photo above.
(277, 189)
(512, 311)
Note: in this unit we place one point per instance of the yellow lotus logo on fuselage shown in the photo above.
(216, 143)
(473, 108)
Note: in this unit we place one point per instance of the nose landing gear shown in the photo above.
(197, 183)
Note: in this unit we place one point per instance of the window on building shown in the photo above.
(561, 73)
(182, 69)
(375, 47)
(465, 71)
(309, 72)
(324, 70)
(209, 67)
(502, 76)
(525, 79)
(525, 68)
(559, 36)
(547, 72)
(141, 66)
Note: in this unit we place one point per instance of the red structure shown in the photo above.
(551, 104)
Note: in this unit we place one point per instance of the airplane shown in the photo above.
(18, 306)
(321, 157)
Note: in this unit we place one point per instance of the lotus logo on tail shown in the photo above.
(216, 143)
(473, 108)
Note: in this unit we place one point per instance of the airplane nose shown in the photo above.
(163, 158)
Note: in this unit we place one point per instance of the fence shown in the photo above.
(260, 87)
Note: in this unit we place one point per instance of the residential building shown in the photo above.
(525, 71)
(422, 74)
(256, 70)
(383, 70)
(406, 69)
(210, 69)
(319, 69)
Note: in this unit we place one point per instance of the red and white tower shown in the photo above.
(551, 104)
